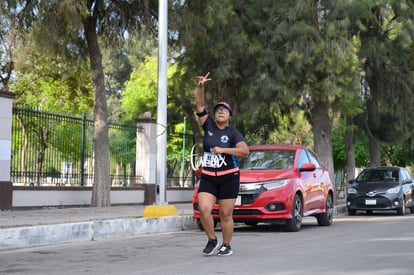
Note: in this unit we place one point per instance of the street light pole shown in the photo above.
(162, 99)
(162, 209)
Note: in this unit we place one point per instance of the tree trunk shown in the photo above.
(374, 150)
(373, 123)
(321, 129)
(101, 185)
(350, 154)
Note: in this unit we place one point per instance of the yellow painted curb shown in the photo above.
(153, 211)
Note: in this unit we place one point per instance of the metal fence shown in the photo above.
(50, 149)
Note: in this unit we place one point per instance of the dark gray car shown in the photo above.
(381, 188)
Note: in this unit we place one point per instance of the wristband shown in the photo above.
(203, 113)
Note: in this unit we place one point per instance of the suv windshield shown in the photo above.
(268, 159)
(378, 175)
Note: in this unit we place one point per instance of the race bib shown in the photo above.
(213, 160)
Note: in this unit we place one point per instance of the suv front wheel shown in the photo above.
(294, 224)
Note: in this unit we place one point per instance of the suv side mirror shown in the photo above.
(307, 167)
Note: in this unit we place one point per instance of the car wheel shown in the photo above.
(325, 219)
(402, 210)
(294, 224)
(412, 210)
(351, 212)
(200, 226)
(369, 212)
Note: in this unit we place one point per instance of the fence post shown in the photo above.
(146, 156)
(82, 164)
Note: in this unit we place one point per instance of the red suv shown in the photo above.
(280, 183)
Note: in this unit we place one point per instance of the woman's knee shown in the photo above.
(205, 209)
(226, 213)
(205, 206)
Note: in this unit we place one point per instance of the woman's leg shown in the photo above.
(226, 219)
(206, 202)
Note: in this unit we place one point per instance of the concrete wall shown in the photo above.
(6, 109)
(32, 197)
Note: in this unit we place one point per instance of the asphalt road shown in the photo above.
(376, 244)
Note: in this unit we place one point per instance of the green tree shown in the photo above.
(73, 27)
(385, 29)
(8, 41)
(140, 93)
(321, 63)
(53, 84)
(293, 129)
(270, 58)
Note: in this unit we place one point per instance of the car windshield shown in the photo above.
(268, 159)
(378, 175)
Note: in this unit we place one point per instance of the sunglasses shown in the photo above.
(222, 110)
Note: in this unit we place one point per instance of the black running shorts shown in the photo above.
(222, 187)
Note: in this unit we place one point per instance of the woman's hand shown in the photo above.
(203, 79)
(216, 150)
(200, 104)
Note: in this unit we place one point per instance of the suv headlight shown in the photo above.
(352, 191)
(275, 184)
(394, 190)
(250, 186)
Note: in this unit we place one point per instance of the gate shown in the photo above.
(51, 149)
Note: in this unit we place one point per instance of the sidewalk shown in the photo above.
(26, 228)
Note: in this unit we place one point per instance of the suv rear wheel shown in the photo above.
(325, 219)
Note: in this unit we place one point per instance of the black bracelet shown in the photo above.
(203, 113)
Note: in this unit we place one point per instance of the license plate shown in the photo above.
(238, 200)
(370, 202)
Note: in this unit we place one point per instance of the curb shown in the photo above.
(29, 236)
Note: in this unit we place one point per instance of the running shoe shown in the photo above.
(225, 250)
(211, 247)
